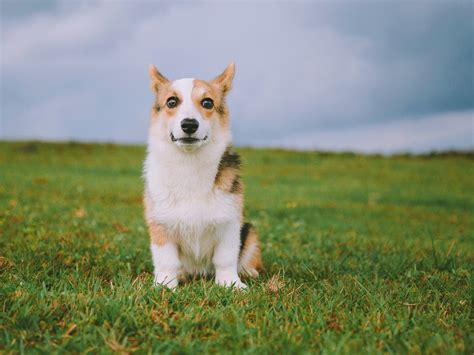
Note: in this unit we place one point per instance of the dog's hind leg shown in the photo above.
(250, 259)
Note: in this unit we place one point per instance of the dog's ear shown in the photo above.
(157, 79)
(224, 81)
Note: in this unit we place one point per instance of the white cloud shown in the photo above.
(453, 130)
(80, 71)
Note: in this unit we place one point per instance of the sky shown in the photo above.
(376, 77)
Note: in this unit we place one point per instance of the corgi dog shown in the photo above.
(193, 188)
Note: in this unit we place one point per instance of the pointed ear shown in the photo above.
(157, 79)
(225, 79)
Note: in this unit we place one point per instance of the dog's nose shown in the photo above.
(189, 125)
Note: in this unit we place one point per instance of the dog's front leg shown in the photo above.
(166, 263)
(226, 256)
(165, 256)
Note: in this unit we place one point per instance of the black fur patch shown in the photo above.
(236, 186)
(229, 160)
(244, 233)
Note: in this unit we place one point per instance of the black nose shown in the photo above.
(189, 125)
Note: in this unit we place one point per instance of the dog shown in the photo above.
(194, 194)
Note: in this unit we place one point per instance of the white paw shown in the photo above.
(235, 283)
(166, 280)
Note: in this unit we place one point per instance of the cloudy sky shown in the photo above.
(366, 76)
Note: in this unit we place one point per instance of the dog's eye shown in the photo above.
(207, 103)
(172, 102)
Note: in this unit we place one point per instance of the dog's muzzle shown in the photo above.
(187, 139)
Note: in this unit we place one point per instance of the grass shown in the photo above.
(363, 254)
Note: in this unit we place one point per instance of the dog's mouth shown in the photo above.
(186, 140)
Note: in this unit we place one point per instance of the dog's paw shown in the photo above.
(166, 281)
(234, 283)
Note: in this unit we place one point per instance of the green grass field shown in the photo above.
(362, 254)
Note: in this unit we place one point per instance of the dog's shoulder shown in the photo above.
(228, 176)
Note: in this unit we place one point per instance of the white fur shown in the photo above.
(166, 263)
(204, 221)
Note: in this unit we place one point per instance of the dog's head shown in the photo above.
(190, 113)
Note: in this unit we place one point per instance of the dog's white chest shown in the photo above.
(185, 201)
(187, 198)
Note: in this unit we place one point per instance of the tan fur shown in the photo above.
(165, 92)
(224, 80)
(205, 89)
(157, 233)
(254, 263)
(226, 178)
(162, 89)
(157, 79)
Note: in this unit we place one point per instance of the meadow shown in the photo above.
(362, 254)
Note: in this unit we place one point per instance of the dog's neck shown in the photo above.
(183, 171)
